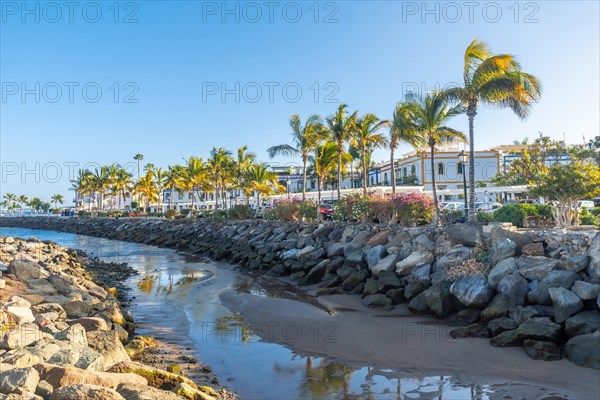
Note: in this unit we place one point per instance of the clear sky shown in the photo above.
(179, 77)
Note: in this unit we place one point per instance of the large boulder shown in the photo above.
(594, 253)
(85, 392)
(584, 350)
(353, 254)
(156, 377)
(502, 249)
(574, 262)
(440, 300)
(109, 346)
(520, 239)
(501, 269)
(138, 392)
(24, 270)
(375, 254)
(539, 329)
(386, 264)
(335, 249)
(566, 303)
(497, 308)
(472, 291)
(23, 315)
(58, 376)
(19, 380)
(536, 267)
(380, 239)
(513, 288)
(74, 334)
(586, 290)
(406, 266)
(377, 301)
(77, 309)
(467, 234)
(539, 350)
(388, 280)
(554, 279)
(582, 323)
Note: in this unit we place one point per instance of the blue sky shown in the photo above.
(161, 67)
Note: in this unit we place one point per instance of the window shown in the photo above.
(180, 196)
(312, 184)
(413, 170)
(404, 172)
(299, 185)
(440, 169)
(372, 181)
(460, 168)
(385, 179)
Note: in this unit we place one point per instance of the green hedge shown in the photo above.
(516, 213)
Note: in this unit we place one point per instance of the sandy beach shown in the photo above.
(410, 345)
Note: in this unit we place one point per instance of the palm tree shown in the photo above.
(219, 164)
(57, 199)
(496, 80)
(194, 177)
(431, 115)
(36, 203)
(10, 200)
(260, 180)
(23, 201)
(340, 127)
(121, 184)
(82, 184)
(324, 162)
(172, 180)
(403, 130)
(159, 181)
(365, 134)
(305, 138)
(147, 189)
(244, 160)
(138, 157)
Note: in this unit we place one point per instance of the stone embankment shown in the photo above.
(62, 335)
(536, 289)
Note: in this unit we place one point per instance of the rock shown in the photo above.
(453, 257)
(189, 392)
(375, 254)
(42, 286)
(85, 392)
(586, 290)
(472, 291)
(583, 323)
(386, 264)
(44, 389)
(18, 302)
(506, 339)
(91, 323)
(21, 337)
(471, 331)
(575, 263)
(535, 267)
(377, 301)
(109, 346)
(421, 274)
(554, 279)
(74, 334)
(566, 303)
(539, 329)
(24, 270)
(380, 239)
(499, 325)
(335, 249)
(594, 253)
(23, 315)
(355, 279)
(522, 314)
(317, 272)
(584, 350)
(533, 249)
(467, 316)
(467, 234)
(424, 243)
(353, 254)
(440, 300)
(520, 239)
(397, 296)
(361, 238)
(388, 280)
(406, 266)
(20, 358)
(77, 309)
(19, 380)
(138, 392)
(513, 288)
(503, 268)
(370, 287)
(496, 309)
(539, 350)
(418, 304)
(502, 249)
(58, 376)
(156, 377)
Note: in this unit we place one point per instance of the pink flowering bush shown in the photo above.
(405, 208)
(293, 209)
(414, 208)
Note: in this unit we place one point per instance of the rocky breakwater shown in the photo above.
(536, 289)
(62, 336)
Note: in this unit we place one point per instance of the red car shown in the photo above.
(326, 211)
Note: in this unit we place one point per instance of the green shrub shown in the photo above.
(587, 218)
(171, 214)
(353, 207)
(240, 211)
(307, 211)
(448, 217)
(485, 218)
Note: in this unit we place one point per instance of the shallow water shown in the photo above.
(176, 299)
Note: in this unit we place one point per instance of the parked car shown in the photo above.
(597, 202)
(326, 209)
(454, 205)
(487, 207)
(589, 204)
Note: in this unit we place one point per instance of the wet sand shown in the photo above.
(408, 344)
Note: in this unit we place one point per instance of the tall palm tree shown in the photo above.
(340, 127)
(172, 180)
(431, 115)
(219, 163)
(147, 189)
(57, 199)
(243, 161)
(497, 80)
(36, 203)
(82, 184)
(403, 130)
(122, 184)
(159, 181)
(138, 157)
(23, 201)
(304, 138)
(324, 161)
(101, 180)
(10, 199)
(259, 179)
(194, 177)
(366, 134)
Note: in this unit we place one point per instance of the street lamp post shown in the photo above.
(462, 159)
(288, 182)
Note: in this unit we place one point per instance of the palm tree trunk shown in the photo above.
(304, 161)
(436, 216)
(319, 180)
(472, 217)
(393, 170)
(364, 167)
(340, 150)
(172, 197)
